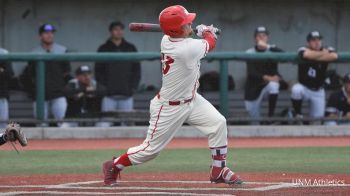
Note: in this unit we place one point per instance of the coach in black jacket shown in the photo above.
(120, 78)
(262, 77)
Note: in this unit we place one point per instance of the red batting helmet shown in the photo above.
(172, 18)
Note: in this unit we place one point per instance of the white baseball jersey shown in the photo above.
(180, 66)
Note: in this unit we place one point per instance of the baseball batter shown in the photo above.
(178, 101)
(312, 76)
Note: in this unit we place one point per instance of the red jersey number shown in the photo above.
(167, 61)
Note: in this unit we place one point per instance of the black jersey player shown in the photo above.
(311, 75)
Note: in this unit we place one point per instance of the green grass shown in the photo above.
(308, 160)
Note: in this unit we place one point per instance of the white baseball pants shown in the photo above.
(317, 99)
(165, 120)
(4, 112)
(253, 107)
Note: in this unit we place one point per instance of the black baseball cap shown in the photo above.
(83, 69)
(116, 24)
(46, 28)
(346, 78)
(313, 35)
(261, 29)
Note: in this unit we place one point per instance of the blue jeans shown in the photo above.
(253, 107)
(57, 107)
(113, 104)
(117, 103)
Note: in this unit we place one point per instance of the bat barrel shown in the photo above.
(144, 27)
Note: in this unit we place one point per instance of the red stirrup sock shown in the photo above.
(219, 157)
(219, 162)
(219, 173)
(122, 161)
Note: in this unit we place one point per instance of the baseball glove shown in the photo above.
(14, 133)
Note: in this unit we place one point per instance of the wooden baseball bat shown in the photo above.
(149, 27)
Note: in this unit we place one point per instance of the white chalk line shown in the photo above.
(102, 193)
(265, 188)
(127, 188)
(273, 187)
(75, 185)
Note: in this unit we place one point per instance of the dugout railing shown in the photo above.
(222, 57)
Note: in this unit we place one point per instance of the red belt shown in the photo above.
(177, 102)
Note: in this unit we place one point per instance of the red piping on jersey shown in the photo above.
(209, 37)
(154, 130)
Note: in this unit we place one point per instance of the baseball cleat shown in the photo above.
(224, 175)
(110, 172)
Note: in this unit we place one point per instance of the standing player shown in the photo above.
(121, 78)
(178, 101)
(262, 76)
(56, 74)
(312, 75)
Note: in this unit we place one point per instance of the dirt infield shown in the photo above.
(176, 184)
(168, 183)
(74, 144)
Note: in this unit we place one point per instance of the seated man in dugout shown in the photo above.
(338, 105)
(312, 76)
(263, 79)
(84, 96)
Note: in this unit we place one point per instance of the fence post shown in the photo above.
(40, 89)
(224, 87)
